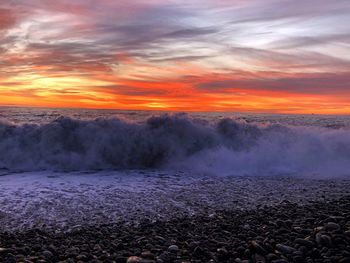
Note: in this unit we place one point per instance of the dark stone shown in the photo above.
(258, 248)
(304, 242)
(332, 226)
(280, 261)
(173, 249)
(121, 260)
(271, 257)
(284, 249)
(47, 254)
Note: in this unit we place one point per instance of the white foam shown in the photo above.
(225, 147)
(64, 200)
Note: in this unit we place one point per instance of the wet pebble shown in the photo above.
(309, 236)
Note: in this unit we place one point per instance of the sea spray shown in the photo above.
(175, 141)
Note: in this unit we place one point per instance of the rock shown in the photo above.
(72, 252)
(47, 254)
(347, 233)
(258, 248)
(97, 247)
(134, 259)
(303, 249)
(315, 253)
(240, 250)
(247, 253)
(246, 227)
(298, 259)
(280, 261)
(335, 218)
(4, 251)
(280, 223)
(319, 229)
(36, 247)
(222, 254)
(285, 249)
(297, 229)
(259, 258)
(147, 255)
(304, 242)
(271, 257)
(83, 256)
(331, 226)
(121, 260)
(10, 258)
(318, 238)
(167, 257)
(75, 228)
(198, 251)
(268, 247)
(160, 238)
(324, 240)
(173, 249)
(222, 250)
(196, 239)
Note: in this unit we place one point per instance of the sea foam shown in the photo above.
(179, 142)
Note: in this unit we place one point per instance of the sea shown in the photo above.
(61, 169)
(225, 143)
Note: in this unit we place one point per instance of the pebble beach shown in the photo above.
(241, 219)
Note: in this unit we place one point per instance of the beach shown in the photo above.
(116, 186)
(164, 217)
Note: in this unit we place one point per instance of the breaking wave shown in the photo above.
(175, 142)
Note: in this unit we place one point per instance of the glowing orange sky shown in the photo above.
(261, 56)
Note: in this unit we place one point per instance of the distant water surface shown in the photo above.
(20, 115)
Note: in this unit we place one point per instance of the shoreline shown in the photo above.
(287, 232)
(65, 201)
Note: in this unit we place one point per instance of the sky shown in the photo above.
(279, 56)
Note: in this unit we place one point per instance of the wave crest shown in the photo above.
(229, 146)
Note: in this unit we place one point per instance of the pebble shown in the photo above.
(173, 248)
(222, 253)
(147, 255)
(258, 248)
(304, 242)
(83, 256)
(167, 256)
(280, 261)
(285, 249)
(198, 239)
(47, 254)
(323, 240)
(4, 251)
(271, 257)
(134, 259)
(121, 259)
(331, 226)
(347, 233)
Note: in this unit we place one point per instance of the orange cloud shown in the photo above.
(7, 19)
(161, 55)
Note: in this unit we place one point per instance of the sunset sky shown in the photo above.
(285, 56)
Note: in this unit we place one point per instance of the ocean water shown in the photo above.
(65, 168)
(68, 140)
